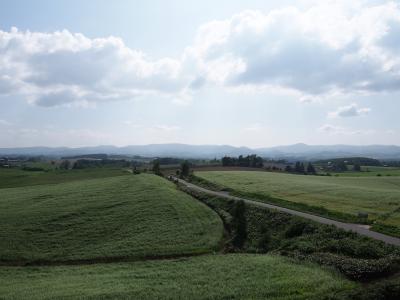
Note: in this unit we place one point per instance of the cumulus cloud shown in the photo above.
(351, 110)
(331, 47)
(59, 68)
(328, 47)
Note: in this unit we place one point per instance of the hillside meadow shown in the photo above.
(132, 216)
(16, 177)
(377, 196)
(234, 276)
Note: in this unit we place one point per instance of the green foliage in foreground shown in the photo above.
(16, 177)
(336, 197)
(129, 217)
(206, 277)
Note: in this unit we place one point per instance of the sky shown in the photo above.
(245, 73)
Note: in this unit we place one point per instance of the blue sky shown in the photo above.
(245, 73)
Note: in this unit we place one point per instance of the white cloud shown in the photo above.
(153, 128)
(331, 47)
(165, 128)
(4, 123)
(326, 48)
(337, 130)
(327, 128)
(256, 127)
(60, 68)
(351, 110)
(132, 124)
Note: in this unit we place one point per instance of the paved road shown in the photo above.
(361, 229)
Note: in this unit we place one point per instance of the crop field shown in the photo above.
(369, 171)
(237, 276)
(378, 196)
(131, 216)
(16, 177)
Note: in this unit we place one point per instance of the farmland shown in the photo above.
(16, 177)
(132, 216)
(235, 276)
(117, 232)
(377, 196)
(107, 233)
(370, 171)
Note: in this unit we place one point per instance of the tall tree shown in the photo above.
(239, 224)
(156, 167)
(65, 164)
(357, 168)
(311, 169)
(185, 169)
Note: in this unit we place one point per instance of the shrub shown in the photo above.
(356, 268)
(264, 239)
(239, 224)
(295, 229)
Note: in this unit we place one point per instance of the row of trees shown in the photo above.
(251, 161)
(300, 168)
(183, 172)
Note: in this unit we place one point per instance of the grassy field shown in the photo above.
(369, 171)
(237, 276)
(131, 216)
(378, 196)
(16, 177)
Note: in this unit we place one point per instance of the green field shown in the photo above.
(131, 216)
(378, 196)
(369, 171)
(237, 276)
(105, 233)
(15, 177)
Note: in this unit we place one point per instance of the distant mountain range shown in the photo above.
(296, 151)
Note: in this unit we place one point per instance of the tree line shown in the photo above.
(251, 161)
(300, 168)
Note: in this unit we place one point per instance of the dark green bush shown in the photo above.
(356, 268)
(295, 229)
(264, 240)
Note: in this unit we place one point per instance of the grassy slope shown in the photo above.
(17, 178)
(379, 196)
(125, 216)
(206, 277)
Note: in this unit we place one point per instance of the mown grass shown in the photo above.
(377, 196)
(238, 276)
(16, 177)
(132, 216)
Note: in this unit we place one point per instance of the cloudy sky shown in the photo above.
(246, 73)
